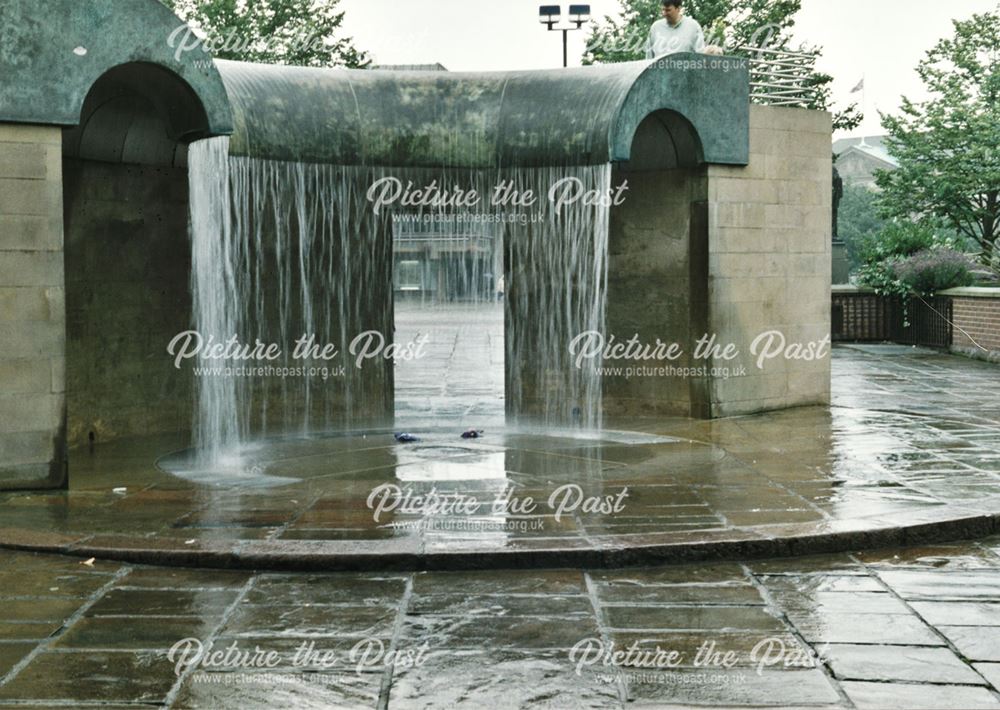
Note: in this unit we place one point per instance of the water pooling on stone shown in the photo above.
(283, 250)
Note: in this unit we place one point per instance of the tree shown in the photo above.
(295, 32)
(736, 23)
(858, 220)
(947, 146)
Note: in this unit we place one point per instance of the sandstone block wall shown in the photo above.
(32, 308)
(770, 261)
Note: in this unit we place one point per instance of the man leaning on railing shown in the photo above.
(674, 33)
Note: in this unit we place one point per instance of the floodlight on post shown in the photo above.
(579, 15)
(549, 16)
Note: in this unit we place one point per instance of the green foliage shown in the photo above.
(845, 119)
(715, 33)
(879, 252)
(295, 32)
(733, 23)
(911, 258)
(947, 146)
(858, 219)
(740, 23)
(932, 270)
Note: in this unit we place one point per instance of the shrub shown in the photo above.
(896, 239)
(932, 270)
(879, 252)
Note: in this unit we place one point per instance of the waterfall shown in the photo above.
(280, 251)
(215, 293)
(558, 273)
(286, 249)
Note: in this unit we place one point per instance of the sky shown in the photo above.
(880, 40)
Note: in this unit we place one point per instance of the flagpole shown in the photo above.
(864, 97)
(862, 86)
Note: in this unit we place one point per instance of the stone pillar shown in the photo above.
(32, 308)
(657, 290)
(770, 263)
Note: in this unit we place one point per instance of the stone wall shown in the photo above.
(656, 291)
(128, 270)
(32, 308)
(729, 251)
(770, 261)
(723, 255)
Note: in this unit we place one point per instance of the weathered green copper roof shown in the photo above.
(577, 116)
(53, 51)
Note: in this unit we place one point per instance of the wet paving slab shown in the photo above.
(909, 451)
(891, 628)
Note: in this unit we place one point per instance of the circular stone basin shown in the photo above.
(808, 481)
(515, 453)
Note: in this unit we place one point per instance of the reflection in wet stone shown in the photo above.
(501, 678)
(866, 695)
(148, 602)
(310, 620)
(899, 663)
(93, 676)
(905, 627)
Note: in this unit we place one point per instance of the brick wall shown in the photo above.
(977, 313)
(32, 308)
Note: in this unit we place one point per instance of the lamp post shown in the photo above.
(549, 16)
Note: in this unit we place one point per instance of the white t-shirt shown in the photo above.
(685, 36)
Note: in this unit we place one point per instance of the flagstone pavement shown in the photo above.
(899, 628)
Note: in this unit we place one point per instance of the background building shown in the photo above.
(857, 159)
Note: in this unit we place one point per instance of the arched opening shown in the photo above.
(664, 140)
(658, 267)
(127, 254)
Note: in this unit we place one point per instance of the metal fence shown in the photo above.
(923, 322)
(781, 78)
(866, 317)
(860, 317)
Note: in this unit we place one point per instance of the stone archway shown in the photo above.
(53, 58)
(658, 271)
(127, 253)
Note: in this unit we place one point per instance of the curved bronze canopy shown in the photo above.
(582, 116)
(56, 53)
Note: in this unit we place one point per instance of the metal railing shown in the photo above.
(861, 317)
(781, 78)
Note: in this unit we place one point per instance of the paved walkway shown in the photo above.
(908, 628)
(461, 376)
